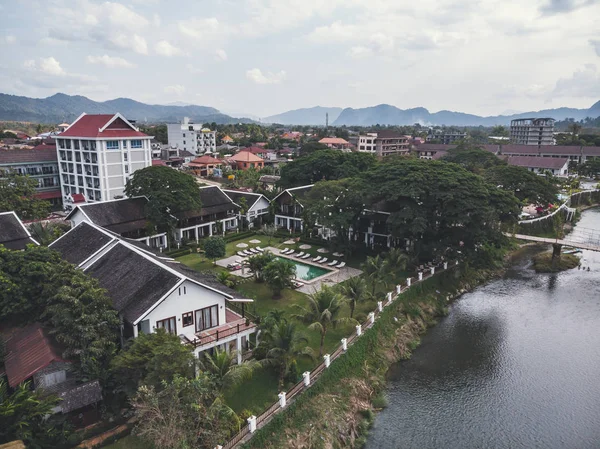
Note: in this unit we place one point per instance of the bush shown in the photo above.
(380, 401)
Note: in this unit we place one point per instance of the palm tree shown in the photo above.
(354, 290)
(322, 312)
(373, 269)
(226, 278)
(286, 343)
(395, 260)
(257, 263)
(226, 373)
(279, 274)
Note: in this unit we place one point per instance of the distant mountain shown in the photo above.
(306, 116)
(66, 108)
(385, 114)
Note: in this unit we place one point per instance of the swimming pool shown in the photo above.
(306, 272)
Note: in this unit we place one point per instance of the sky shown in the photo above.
(262, 57)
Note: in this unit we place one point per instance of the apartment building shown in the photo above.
(192, 137)
(97, 154)
(384, 143)
(445, 138)
(39, 164)
(532, 131)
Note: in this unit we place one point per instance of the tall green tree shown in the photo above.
(355, 291)
(279, 274)
(17, 193)
(473, 158)
(527, 186)
(258, 263)
(322, 312)
(395, 260)
(214, 247)
(373, 269)
(169, 192)
(227, 374)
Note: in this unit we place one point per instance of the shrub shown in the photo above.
(380, 401)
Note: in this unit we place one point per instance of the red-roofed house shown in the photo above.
(258, 151)
(335, 142)
(245, 160)
(98, 153)
(205, 165)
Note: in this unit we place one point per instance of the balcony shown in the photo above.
(235, 324)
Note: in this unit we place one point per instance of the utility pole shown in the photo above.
(327, 120)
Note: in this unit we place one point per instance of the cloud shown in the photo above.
(195, 70)
(221, 55)
(165, 48)
(564, 6)
(256, 76)
(176, 89)
(583, 83)
(122, 41)
(110, 61)
(200, 28)
(10, 39)
(48, 66)
(596, 44)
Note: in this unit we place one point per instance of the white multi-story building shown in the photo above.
(192, 137)
(98, 153)
(383, 143)
(532, 131)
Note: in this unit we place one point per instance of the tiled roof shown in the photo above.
(78, 197)
(28, 350)
(245, 156)
(434, 147)
(204, 160)
(389, 134)
(269, 178)
(237, 195)
(550, 163)
(333, 141)
(48, 195)
(158, 162)
(13, 234)
(28, 156)
(80, 243)
(89, 125)
(116, 212)
(80, 396)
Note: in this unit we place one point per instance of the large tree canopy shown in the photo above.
(473, 158)
(17, 193)
(527, 186)
(168, 191)
(325, 165)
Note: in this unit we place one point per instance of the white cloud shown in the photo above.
(583, 83)
(165, 48)
(195, 70)
(110, 61)
(47, 66)
(258, 77)
(200, 28)
(134, 43)
(221, 55)
(596, 44)
(10, 39)
(176, 89)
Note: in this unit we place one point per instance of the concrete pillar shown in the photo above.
(252, 424)
(210, 230)
(196, 232)
(420, 275)
(344, 344)
(456, 263)
(380, 306)
(398, 289)
(372, 317)
(238, 346)
(306, 376)
(282, 399)
(327, 359)
(445, 265)
(358, 330)
(432, 271)
(408, 282)
(389, 297)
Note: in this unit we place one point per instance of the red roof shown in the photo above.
(46, 146)
(158, 162)
(28, 350)
(89, 125)
(25, 156)
(245, 156)
(255, 150)
(78, 197)
(333, 141)
(48, 195)
(205, 160)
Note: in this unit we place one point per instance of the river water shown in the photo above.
(515, 364)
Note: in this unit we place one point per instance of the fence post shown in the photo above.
(445, 265)
(327, 358)
(379, 306)
(407, 282)
(344, 344)
(306, 376)
(282, 400)
(456, 263)
(398, 289)
(432, 271)
(389, 297)
(252, 424)
(358, 330)
(372, 317)
(420, 275)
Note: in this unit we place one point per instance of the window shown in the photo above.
(183, 134)
(127, 169)
(187, 319)
(136, 144)
(112, 144)
(125, 157)
(207, 318)
(168, 325)
(68, 143)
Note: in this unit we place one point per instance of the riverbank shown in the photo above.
(543, 263)
(339, 409)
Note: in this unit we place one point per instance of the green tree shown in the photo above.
(226, 278)
(223, 367)
(269, 229)
(258, 263)
(184, 413)
(395, 260)
(322, 312)
(373, 269)
(286, 344)
(17, 193)
(473, 158)
(499, 131)
(169, 192)
(355, 291)
(525, 185)
(151, 359)
(279, 274)
(311, 147)
(214, 247)
(243, 211)
(46, 233)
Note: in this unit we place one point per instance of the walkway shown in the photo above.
(593, 243)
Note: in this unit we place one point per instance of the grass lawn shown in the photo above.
(255, 394)
(129, 442)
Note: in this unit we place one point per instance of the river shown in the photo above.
(515, 364)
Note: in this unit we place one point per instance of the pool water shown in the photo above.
(307, 272)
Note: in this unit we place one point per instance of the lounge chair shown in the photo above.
(332, 263)
(286, 251)
(341, 265)
(241, 253)
(260, 249)
(253, 250)
(323, 260)
(306, 256)
(300, 254)
(291, 253)
(317, 259)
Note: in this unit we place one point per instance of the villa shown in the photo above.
(13, 234)
(258, 205)
(289, 208)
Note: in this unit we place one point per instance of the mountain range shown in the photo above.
(385, 114)
(65, 108)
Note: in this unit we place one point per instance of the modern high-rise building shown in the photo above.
(532, 131)
(192, 137)
(97, 154)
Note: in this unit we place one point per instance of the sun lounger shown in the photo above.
(241, 253)
(260, 249)
(332, 263)
(323, 260)
(306, 256)
(300, 254)
(341, 265)
(291, 253)
(286, 251)
(317, 259)
(247, 253)
(253, 250)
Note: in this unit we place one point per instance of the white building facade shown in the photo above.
(98, 153)
(532, 131)
(192, 137)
